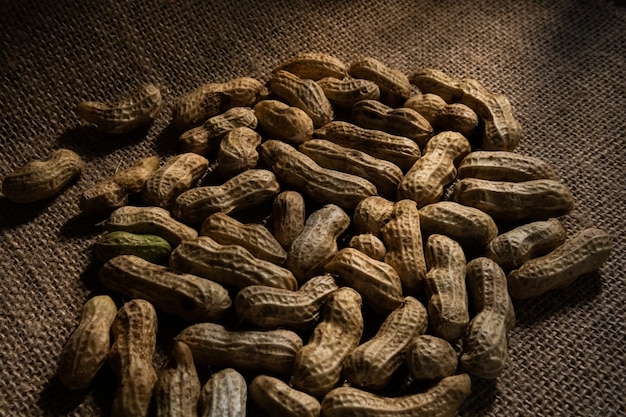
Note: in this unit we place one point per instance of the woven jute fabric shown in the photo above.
(561, 63)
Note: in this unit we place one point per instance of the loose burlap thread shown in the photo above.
(562, 64)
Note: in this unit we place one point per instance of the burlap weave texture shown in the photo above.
(562, 64)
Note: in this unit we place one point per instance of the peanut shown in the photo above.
(406, 122)
(178, 387)
(511, 249)
(244, 191)
(314, 66)
(288, 217)
(377, 282)
(504, 166)
(280, 400)
(224, 395)
(505, 200)
(177, 175)
(86, 350)
(343, 94)
(237, 152)
(323, 185)
(269, 307)
(501, 131)
(383, 174)
(134, 333)
(206, 138)
(212, 99)
(405, 253)
(152, 248)
(284, 122)
(454, 117)
(442, 400)
(430, 357)
(172, 292)
(271, 351)
(136, 110)
(394, 85)
(134, 178)
(40, 180)
(371, 215)
(445, 285)
(254, 237)
(318, 365)
(369, 245)
(149, 220)
(372, 364)
(581, 254)
(229, 265)
(304, 94)
(399, 150)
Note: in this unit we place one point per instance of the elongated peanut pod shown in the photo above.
(430, 357)
(343, 94)
(276, 397)
(288, 215)
(178, 387)
(504, 166)
(224, 395)
(394, 85)
(314, 65)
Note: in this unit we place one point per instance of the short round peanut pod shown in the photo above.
(430, 106)
(224, 395)
(237, 152)
(369, 245)
(371, 215)
(289, 215)
(284, 122)
(430, 357)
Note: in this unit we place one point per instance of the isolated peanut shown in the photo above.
(345, 93)
(39, 180)
(87, 348)
(284, 122)
(271, 351)
(241, 192)
(280, 400)
(504, 166)
(442, 400)
(581, 254)
(237, 152)
(187, 296)
(501, 129)
(288, 217)
(314, 65)
(372, 364)
(152, 248)
(229, 265)
(256, 238)
(394, 85)
(323, 185)
(178, 174)
(212, 99)
(371, 215)
(454, 117)
(178, 387)
(136, 110)
(430, 357)
(134, 333)
(445, 284)
(369, 245)
(224, 395)
(269, 307)
(318, 364)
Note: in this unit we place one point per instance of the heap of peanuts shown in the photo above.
(412, 207)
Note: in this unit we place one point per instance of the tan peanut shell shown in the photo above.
(318, 364)
(378, 283)
(505, 200)
(39, 180)
(371, 215)
(243, 191)
(149, 220)
(372, 364)
(304, 94)
(369, 244)
(256, 238)
(237, 152)
(280, 400)
(212, 99)
(345, 93)
(394, 86)
(229, 265)
(288, 217)
(442, 400)
(321, 184)
(448, 309)
(429, 105)
(581, 254)
(178, 387)
(134, 177)
(134, 333)
(152, 248)
(271, 351)
(87, 348)
(136, 110)
(314, 66)
(187, 296)
(399, 150)
(523, 243)
(225, 394)
(269, 307)
(178, 174)
(501, 131)
(430, 357)
(284, 122)
(383, 174)
(504, 166)
(317, 243)
(454, 117)
(402, 121)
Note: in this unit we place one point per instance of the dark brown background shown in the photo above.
(561, 63)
